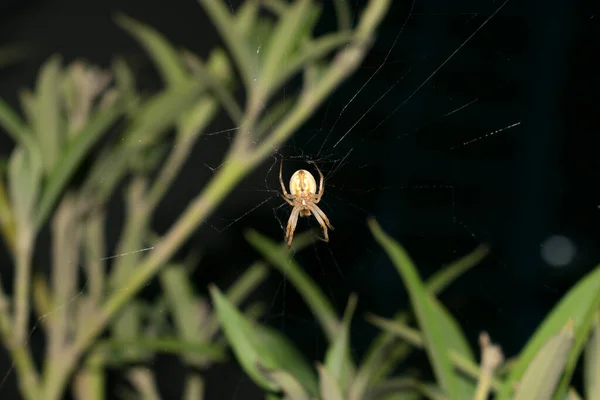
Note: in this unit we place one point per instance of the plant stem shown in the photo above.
(22, 285)
(28, 377)
(234, 169)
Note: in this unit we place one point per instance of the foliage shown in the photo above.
(79, 114)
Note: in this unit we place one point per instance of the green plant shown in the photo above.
(70, 113)
(543, 370)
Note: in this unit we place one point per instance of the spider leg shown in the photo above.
(319, 219)
(317, 211)
(291, 226)
(290, 202)
(321, 188)
(281, 179)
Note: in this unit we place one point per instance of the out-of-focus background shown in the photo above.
(460, 128)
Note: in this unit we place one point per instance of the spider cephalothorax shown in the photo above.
(303, 197)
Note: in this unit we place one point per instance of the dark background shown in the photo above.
(431, 172)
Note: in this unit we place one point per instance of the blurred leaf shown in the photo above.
(247, 282)
(125, 82)
(181, 300)
(167, 345)
(385, 352)
(456, 343)
(72, 158)
(312, 295)
(216, 75)
(330, 385)
(234, 37)
(24, 179)
(127, 327)
(14, 125)
(244, 341)
(160, 112)
(49, 126)
(245, 17)
(195, 119)
(591, 366)
(165, 57)
(545, 369)
(338, 360)
(286, 34)
(427, 316)
(288, 384)
(461, 361)
(443, 278)
(288, 358)
(7, 219)
(579, 304)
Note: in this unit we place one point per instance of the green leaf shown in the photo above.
(24, 181)
(384, 352)
(160, 112)
(49, 126)
(443, 278)
(427, 316)
(181, 300)
(72, 157)
(165, 57)
(125, 82)
(234, 37)
(545, 369)
(591, 365)
(289, 359)
(338, 361)
(168, 345)
(456, 343)
(243, 338)
(127, 327)
(245, 17)
(258, 348)
(14, 125)
(288, 384)
(280, 46)
(281, 259)
(580, 304)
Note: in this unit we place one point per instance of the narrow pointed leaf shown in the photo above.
(165, 57)
(281, 259)
(427, 317)
(591, 365)
(285, 35)
(288, 384)
(289, 359)
(14, 125)
(543, 373)
(72, 157)
(578, 304)
(338, 361)
(257, 347)
(49, 127)
(243, 338)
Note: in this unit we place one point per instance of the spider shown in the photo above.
(304, 199)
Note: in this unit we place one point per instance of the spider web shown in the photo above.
(366, 123)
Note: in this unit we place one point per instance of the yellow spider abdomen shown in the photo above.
(302, 183)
